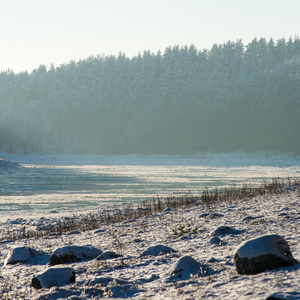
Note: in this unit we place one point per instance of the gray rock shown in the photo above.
(216, 215)
(95, 293)
(54, 234)
(17, 221)
(21, 255)
(137, 240)
(7, 241)
(74, 232)
(108, 255)
(123, 291)
(99, 231)
(204, 215)
(263, 253)
(104, 281)
(158, 250)
(284, 296)
(185, 267)
(289, 189)
(225, 229)
(250, 218)
(216, 241)
(54, 277)
(70, 254)
(212, 260)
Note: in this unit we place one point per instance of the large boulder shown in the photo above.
(71, 254)
(54, 277)
(263, 253)
(21, 255)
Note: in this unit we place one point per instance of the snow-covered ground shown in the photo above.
(189, 232)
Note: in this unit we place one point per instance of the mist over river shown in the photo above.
(62, 183)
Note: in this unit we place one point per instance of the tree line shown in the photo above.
(181, 101)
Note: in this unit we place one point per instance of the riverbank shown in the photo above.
(58, 185)
(186, 230)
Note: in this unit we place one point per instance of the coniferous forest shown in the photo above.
(180, 101)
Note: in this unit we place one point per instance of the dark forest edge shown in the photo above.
(233, 97)
(157, 205)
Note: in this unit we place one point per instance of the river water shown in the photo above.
(68, 183)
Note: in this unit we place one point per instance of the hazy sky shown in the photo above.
(35, 32)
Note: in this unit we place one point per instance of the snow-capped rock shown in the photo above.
(224, 229)
(185, 267)
(284, 296)
(21, 255)
(263, 253)
(54, 277)
(70, 254)
(216, 241)
(108, 255)
(158, 250)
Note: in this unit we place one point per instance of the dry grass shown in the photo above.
(157, 205)
(275, 186)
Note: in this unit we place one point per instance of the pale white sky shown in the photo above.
(35, 32)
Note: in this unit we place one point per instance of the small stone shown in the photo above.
(54, 277)
(284, 296)
(204, 215)
(216, 215)
(54, 234)
(185, 267)
(17, 221)
(7, 241)
(263, 253)
(125, 291)
(158, 250)
(212, 260)
(289, 189)
(137, 240)
(108, 255)
(215, 241)
(250, 218)
(223, 230)
(74, 232)
(99, 231)
(94, 292)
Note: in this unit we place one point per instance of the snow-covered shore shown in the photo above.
(39, 185)
(189, 232)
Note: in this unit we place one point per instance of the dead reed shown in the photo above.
(156, 205)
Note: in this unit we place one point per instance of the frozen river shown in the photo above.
(69, 183)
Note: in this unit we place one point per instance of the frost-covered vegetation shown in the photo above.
(184, 100)
(182, 252)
